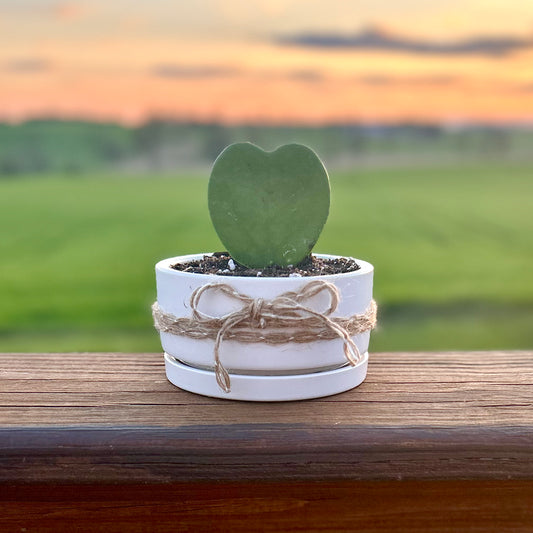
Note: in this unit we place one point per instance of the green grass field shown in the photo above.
(452, 248)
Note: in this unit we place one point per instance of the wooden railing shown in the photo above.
(429, 442)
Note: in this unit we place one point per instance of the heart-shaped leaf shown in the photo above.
(268, 208)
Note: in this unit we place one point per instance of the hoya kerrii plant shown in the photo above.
(268, 208)
(255, 339)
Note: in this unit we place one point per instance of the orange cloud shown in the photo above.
(68, 11)
(133, 98)
(28, 65)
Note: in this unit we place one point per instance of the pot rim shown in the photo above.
(165, 266)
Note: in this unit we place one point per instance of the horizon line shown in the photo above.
(407, 122)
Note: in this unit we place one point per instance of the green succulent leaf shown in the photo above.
(268, 208)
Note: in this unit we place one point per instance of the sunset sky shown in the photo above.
(300, 61)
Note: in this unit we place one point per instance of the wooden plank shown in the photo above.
(417, 507)
(115, 418)
(263, 452)
(433, 389)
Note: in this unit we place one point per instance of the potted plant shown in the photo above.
(266, 321)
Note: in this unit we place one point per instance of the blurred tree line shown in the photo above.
(74, 147)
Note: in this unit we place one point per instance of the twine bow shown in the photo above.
(285, 318)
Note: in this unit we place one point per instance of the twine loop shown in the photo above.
(285, 318)
(256, 312)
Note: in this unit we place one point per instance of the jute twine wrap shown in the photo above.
(283, 319)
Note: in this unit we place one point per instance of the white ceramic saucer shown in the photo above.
(260, 388)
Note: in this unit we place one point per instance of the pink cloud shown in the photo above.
(68, 11)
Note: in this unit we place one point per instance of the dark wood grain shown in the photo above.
(340, 507)
(101, 418)
(263, 452)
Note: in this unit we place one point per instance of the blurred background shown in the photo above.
(111, 114)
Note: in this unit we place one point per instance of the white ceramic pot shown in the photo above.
(258, 371)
